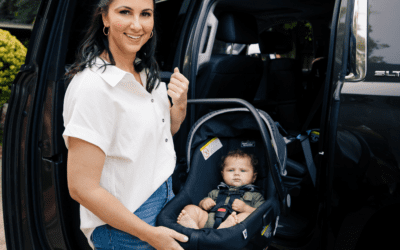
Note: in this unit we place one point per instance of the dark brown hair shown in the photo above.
(95, 42)
(240, 154)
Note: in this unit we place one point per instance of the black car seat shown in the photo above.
(283, 80)
(232, 129)
(231, 76)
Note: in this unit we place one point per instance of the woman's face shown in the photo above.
(130, 24)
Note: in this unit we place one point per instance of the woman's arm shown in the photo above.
(178, 114)
(84, 166)
(177, 90)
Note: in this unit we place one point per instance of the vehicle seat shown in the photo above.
(231, 76)
(283, 81)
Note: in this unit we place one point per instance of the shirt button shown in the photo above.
(152, 100)
(166, 140)
(162, 120)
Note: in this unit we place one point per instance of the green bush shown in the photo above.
(12, 56)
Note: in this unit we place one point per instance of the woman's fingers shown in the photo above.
(176, 86)
(177, 75)
(178, 236)
(174, 96)
(166, 239)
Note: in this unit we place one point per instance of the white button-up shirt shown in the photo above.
(113, 111)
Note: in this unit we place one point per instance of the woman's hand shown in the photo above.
(178, 88)
(165, 239)
(207, 203)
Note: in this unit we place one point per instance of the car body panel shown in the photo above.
(366, 167)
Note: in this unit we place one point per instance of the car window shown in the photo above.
(301, 35)
(18, 17)
(18, 11)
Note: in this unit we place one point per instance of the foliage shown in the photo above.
(19, 11)
(12, 56)
(307, 25)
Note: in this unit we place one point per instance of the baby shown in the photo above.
(238, 171)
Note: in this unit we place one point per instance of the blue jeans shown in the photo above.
(108, 238)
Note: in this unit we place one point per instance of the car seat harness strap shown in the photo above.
(222, 210)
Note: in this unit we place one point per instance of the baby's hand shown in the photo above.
(239, 206)
(207, 203)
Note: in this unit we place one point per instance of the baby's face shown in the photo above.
(238, 171)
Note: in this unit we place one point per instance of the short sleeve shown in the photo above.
(88, 113)
(257, 200)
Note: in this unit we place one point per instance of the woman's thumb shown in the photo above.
(176, 70)
(180, 237)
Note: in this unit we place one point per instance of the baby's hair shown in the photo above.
(240, 154)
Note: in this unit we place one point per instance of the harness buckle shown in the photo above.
(221, 213)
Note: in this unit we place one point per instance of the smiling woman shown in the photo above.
(118, 130)
(112, 22)
(128, 30)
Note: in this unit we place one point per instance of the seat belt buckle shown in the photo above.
(221, 213)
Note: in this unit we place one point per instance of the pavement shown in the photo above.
(2, 236)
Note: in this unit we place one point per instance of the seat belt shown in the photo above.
(305, 144)
(314, 109)
(304, 137)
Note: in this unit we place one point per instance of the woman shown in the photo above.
(118, 130)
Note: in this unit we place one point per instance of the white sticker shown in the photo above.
(211, 147)
(245, 233)
(247, 144)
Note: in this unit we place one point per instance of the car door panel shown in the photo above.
(363, 127)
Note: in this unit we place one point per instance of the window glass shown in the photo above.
(18, 11)
(18, 17)
(301, 35)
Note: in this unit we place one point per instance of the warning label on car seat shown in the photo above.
(211, 147)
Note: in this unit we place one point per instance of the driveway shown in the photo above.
(2, 236)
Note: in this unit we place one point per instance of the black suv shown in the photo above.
(329, 70)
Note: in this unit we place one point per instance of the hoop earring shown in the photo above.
(104, 31)
(151, 35)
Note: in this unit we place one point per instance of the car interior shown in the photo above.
(272, 54)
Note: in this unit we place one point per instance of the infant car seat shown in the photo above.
(210, 138)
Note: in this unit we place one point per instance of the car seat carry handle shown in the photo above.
(272, 159)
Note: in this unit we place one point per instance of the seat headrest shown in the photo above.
(274, 42)
(237, 28)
